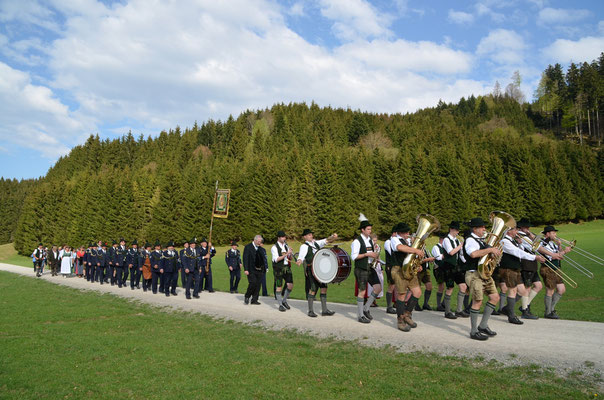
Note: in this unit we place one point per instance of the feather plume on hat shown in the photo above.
(362, 217)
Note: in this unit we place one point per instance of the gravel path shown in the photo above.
(560, 344)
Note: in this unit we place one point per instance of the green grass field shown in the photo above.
(584, 303)
(58, 342)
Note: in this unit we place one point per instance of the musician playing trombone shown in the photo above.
(554, 285)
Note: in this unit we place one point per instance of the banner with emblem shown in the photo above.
(221, 203)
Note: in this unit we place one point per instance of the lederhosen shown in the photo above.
(362, 272)
(401, 280)
(529, 271)
(478, 286)
(509, 267)
(389, 264)
(450, 263)
(550, 278)
(423, 276)
(313, 283)
(281, 271)
(439, 270)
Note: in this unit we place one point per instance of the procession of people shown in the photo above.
(477, 262)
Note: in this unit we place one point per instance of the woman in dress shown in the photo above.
(66, 257)
(79, 262)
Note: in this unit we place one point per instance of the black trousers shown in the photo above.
(155, 276)
(263, 285)
(110, 273)
(118, 271)
(146, 284)
(100, 274)
(254, 279)
(89, 272)
(235, 278)
(168, 278)
(125, 275)
(174, 282)
(183, 278)
(192, 281)
(135, 276)
(206, 279)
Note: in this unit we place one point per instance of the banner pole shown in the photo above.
(211, 226)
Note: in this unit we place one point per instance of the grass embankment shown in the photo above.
(585, 303)
(58, 342)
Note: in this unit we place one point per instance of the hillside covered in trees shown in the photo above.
(298, 165)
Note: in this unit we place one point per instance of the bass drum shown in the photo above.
(331, 265)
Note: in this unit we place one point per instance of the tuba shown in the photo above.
(426, 224)
(502, 222)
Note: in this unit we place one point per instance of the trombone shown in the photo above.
(582, 252)
(535, 244)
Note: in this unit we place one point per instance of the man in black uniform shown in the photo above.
(156, 261)
(119, 262)
(233, 262)
(102, 262)
(169, 269)
(206, 252)
(182, 263)
(132, 260)
(253, 266)
(191, 269)
(90, 260)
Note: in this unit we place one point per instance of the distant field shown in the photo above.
(584, 303)
(57, 342)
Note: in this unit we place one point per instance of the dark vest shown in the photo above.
(388, 257)
(472, 263)
(280, 264)
(442, 251)
(509, 261)
(363, 263)
(451, 259)
(309, 254)
(399, 256)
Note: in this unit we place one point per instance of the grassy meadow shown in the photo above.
(584, 303)
(58, 342)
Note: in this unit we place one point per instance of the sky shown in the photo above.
(71, 68)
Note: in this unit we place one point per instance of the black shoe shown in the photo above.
(173, 293)
(286, 305)
(212, 291)
(495, 312)
(427, 307)
(155, 292)
(232, 291)
(363, 320)
(418, 307)
(440, 307)
(450, 315)
(552, 315)
(390, 310)
(312, 314)
(526, 314)
(462, 314)
(514, 320)
(487, 331)
(188, 297)
(144, 289)
(478, 336)
(367, 315)
(256, 303)
(196, 296)
(327, 313)
(246, 300)
(504, 310)
(167, 294)
(281, 308)
(131, 287)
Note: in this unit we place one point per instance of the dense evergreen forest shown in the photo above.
(299, 165)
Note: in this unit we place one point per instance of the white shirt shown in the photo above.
(304, 248)
(395, 241)
(355, 247)
(436, 253)
(275, 253)
(447, 244)
(471, 244)
(551, 246)
(387, 247)
(509, 248)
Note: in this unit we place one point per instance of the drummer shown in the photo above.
(362, 251)
(307, 251)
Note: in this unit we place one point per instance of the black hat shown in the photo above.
(234, 243)
(135, 242)
(170, 243)
(90, 244)
(203, 240)
(454, 225)
(122, 240)
(476, 222)
(193, 241)
(157, 243)
(185, 241)
(147, 244)
(306, 232)
(442, 235)
(281, 234)
(402, 227)
(364, 224)
(394, 228)
(40, 244)
(114, 242)
(549, 228)
(524, 223)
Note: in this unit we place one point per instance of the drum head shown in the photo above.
(325, 265)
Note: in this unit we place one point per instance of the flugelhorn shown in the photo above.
(376, 261)
(502, 223)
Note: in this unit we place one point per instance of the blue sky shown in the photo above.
(72, 68)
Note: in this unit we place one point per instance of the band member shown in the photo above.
(53, 260)
(305, 255)
(453, 272)
(263, 257)
(102, 262)
(132, 261)
(119, 262)
(233, 261)
(363, 253)
(404, 280)
(156, 256)
(438, 252)
(530, 276)
(125, 272)
(39, 256)
(509, 271)
(145, 262)
(554, 285)
(169, 269)
(182, 262)
(389, 293)
(423, 276)
(281, 254)
(90, 260)
(206, 252)
(253, 266)
(474, 248)
(191, 269)
(112, 251)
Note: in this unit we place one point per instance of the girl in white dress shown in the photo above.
(66, 256)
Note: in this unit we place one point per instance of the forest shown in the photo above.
(298, 165)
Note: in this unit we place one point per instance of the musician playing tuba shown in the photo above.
(474, 249)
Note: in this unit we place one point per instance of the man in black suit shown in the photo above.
(53, 260)
(253, 266)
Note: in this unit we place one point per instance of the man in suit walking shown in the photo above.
(253, 266)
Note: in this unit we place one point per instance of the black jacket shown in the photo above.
(249, 258)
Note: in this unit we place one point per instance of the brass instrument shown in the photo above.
(502, 223)
(579, 251)
(426, 224)
(376, 261)
(535, 244)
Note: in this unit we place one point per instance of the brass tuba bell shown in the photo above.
(502, 223)
(426, 224)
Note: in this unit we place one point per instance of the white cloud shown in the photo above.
(296, 9)
(460, 17)
(561, 16)
(355, 18)
(585, 49)
(601, 27)
(502, 46)
(484, 10)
